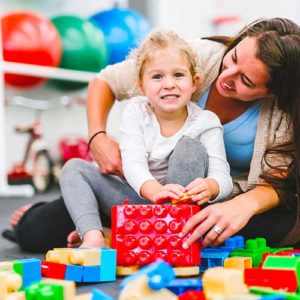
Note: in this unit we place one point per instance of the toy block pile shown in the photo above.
(80, 265)
(141, 234)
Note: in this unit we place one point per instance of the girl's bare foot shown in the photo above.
(18, 214)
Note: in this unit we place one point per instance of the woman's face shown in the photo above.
(243, 76)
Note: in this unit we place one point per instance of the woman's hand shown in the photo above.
(106, 153)
(218, 222)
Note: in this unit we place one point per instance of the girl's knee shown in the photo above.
(72, 168)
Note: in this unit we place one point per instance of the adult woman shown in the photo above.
(250, 82)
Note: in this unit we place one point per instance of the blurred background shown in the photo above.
(86, 36)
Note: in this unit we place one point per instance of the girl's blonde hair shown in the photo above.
(161, 39)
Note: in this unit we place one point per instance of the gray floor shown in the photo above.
(10, 251)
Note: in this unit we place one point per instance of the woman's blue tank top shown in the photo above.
(239, 137)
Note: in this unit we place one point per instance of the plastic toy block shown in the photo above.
(6, 266)
(180, 286)
(9, 282)
(254, 248)
(86, 257)
(273, 297)
(232, 243)
(276, 279)
(192, 295)
(211, 257)
(126, 271)
(99, 295)
(86, 296)
(108, 264)
(29, 269)
(74, 273)
(141, 234)
(238, 262)
(91, 273)
(60, 255)
(265, 255)
(186, 271)
(53, 270)
(158, 275)
(223, 282)
(268, 291)
(16, 296)
(69, 288)
(138, 288)
(41, 291)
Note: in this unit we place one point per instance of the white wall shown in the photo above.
(193, 18)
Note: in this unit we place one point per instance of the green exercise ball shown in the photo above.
(83, 47)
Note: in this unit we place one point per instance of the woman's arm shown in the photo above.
(231, 216)
(104, 149)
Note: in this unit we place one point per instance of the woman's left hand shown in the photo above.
(217, 222)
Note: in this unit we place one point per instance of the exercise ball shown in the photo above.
(29, 38)
(84, 47)
(123, 30)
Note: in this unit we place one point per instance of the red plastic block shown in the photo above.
(141, 234)
(53, 270)
(265, 255)
(192, 295)
(276, 279)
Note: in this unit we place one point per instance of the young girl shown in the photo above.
(151, 127)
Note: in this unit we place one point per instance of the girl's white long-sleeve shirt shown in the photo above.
(145, 152)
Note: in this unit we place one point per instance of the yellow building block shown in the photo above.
(138, 289)
(223, 282)
(6, 266)
(125, 271)
(9, 282)
(60, 255)
(86, 257)
(86, 296)
(238, 262)
(186, 271)
(69, 287)
(16, 296)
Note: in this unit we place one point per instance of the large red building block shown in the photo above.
(141, 234)
(272, 278)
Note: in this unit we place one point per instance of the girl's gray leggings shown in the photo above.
(89, 195)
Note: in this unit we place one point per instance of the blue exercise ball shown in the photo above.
(123, 30)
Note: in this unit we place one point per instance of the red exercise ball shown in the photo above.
(29, 38)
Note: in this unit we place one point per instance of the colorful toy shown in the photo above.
(149, 283)
(80, 265)
(123, 29)
(32, 39)
(141, 234)
(83, 47)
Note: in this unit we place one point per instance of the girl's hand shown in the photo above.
(202, 190)
(107, 155)
(169, 191)
(217, 222)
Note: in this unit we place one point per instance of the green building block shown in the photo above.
(44, 291)
(254, 248)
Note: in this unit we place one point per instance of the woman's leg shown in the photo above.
(87, 193)
(188, 161)
(272, 225)
(44, 226)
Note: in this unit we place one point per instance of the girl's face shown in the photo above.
(167, 81)
(243, 76)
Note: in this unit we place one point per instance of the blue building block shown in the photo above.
(211, 257)
(74, 273)
(29, 269)
(99, 295)
(108, 264)
(273, 297)
(232, 243)
(91, 274)
(159, 275)
(180, 286)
